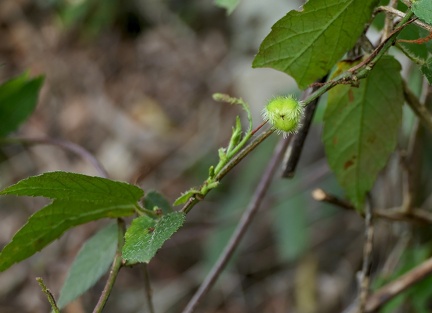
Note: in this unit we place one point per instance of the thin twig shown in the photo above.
(420, 110)
(241, 228)
(295, 148)
(322, 196)
(64, 144)
(367, 258)
(392, 289)
(350, 77)
(115, 268)
(411, 163)
(240, 156)
(147, 289)
(388, 25)
(393, 11)
(413, 215)
(366, 65)
(362, 69)
(48, 294)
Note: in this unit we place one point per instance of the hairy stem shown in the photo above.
(148, 290)
(115, 268)
(48, 294)
(349, 77)
(241, 228)
(392, 11)
(392, 289)
(228, 167)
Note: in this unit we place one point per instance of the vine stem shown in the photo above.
(367, 258)
(362, 70)
(48, 294)
(418, 108)
(350, 77)
(148, 290)
(231, 164)
(115, 268)
(64, 144)
(402, 283)
(393, 11)
(241, 228)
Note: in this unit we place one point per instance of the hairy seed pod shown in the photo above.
(284, 114)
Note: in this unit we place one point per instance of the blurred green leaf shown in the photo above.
(18, 98)
(52, 221)
(233, 200)
(413, 32)
(229, 5)
(423, 10)
(78, 199)
(361, 127)
(418, 296)
(306, 44)
(145, 236)
(73, 186)
(290, 221)
(92, 261)
(90, 16)
(154, 199)
(427, 70)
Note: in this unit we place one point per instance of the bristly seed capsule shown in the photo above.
(284, 114)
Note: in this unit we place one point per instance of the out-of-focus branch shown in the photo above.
(392, 11)
(241, 228)
(420, 110)
(391, 290)
(64, 144)
(322, 196)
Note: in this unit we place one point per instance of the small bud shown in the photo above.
(284, 114)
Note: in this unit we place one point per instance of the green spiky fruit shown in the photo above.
(284, 114)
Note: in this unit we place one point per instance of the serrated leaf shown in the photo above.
(52, 221)
(413, 32)
(306, 44)
(229, 5)
(154, 199)
(18, 98)
(361, 127)
(72, 186)
(93, 261)
(145, 236)
(423, 10)
(427, 70)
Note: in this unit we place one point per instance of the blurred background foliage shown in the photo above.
(131, 81)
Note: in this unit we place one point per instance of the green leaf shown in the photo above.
(72, 186)
(413, 32)
(427, 70)
(361, 127)
(185, 196)
(52, 221)
(290, 226)
(306, 44)
(423, 10)
(145, 236)
(154, 199)
(229, 5)
(18, 98)
(92, 261)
